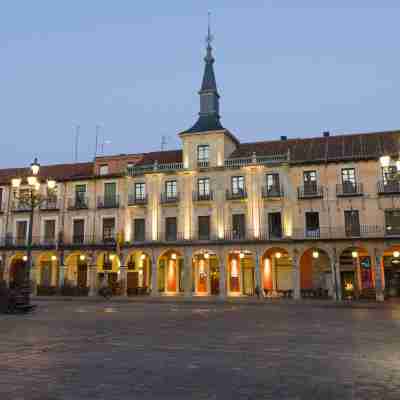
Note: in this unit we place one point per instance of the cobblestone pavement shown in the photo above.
(93, 350)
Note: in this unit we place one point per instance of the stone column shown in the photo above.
(379, 289)
(92, 270)
(296, 276)
(222, 276)
(259, 282)
(188, 272)
(273, 275)
(123, 277)
(61, 276)
(336, 284)
(154, 277)
(34, 277)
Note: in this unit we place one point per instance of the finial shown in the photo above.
(209, 38)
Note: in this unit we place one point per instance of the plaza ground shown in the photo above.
(84, 349)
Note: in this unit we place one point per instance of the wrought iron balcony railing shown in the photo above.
(197, 196)
(236, 195)
(78, 203)
(2, 207)
(389, 187)
(311, 191)
(348, 189)
(169, 198)
(50, 204)
(20, 206)
(134, 200)
(108, 202)
(269, 192)
(203, 164)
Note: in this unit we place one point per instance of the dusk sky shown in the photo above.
(134, 68)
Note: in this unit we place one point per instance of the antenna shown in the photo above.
(209, 37)
(77, 130)
(96, 146)
(163, 142)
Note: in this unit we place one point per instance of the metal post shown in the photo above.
(28, 265)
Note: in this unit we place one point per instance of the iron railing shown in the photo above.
(50, 204)
(389, 187)
(108, 201)
(312, 191)
(203, 164)
(78, 203)
(20, 206)
(166, 198)
(274, 191)
(237, 195)
(134, 200)
(349, 189)
(197, 196)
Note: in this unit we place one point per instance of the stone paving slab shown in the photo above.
(78, 350)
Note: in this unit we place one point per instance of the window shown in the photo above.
(275, 225)
(171, 228)
(203, 153)
(310, 182)
(389, 174)
(78, 234)
(238, 226)
(170, 189)
(49, 230)
(109, 229)
(110, 194)
(104, 169)
(203, 187)
(139, 229)
(1, 199)
(140, 191)
(22, 229)
(80, 196)
(273, 187)
(392, 222)
(352, 223)
(204, 227)
(348, 180)
(238, 185)
(312, 224)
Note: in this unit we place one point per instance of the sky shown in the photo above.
(283, 67)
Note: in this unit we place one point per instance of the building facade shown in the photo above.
(316, 217)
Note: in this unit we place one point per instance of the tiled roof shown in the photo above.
(162, 157)
(59, 172)
(322, 149)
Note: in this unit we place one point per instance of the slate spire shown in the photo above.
(209, 97)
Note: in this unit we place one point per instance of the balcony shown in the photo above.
(349, 189)
(389, 187)
(20, 206)
(2, 207)
(108, 202)
(78, 203)
(241, 194)
(134, 200)
(311, 191)
(203, 196)
(169, 198)
(339, 232)
(272, 192)
(50, 204)
(203, 164)
(392, 230)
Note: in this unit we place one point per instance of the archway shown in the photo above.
(277, 273)
(47, 274)
(76, 273)
(205, 276)
(138, 277)
(108, 269)
(170, 272)
(356, 273)
(18, 272)
(241, 274)
(315, 274)
(391, 271)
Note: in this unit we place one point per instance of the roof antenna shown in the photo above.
(163, 142)
(96, 145)
(209, 37)
(77, 129)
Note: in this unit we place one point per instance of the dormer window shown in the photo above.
(203, 154)
(104, 169)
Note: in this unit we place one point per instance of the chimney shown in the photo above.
(283, 137)
(326, 133)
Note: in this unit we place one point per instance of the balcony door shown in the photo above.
(275, 225)
(80, 195)
(352, 223)
(78, 234)
(108, 229)
(139, 229)
(204, 227)
(312, 224)
(238, 226)
(22, 229)
(349, 180)
(310, 182)
(110, 194)
(49, 231)
(171, 228)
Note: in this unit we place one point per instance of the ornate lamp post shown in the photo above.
(31, 198)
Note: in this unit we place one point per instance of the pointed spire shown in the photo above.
(209, 97)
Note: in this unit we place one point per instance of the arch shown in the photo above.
(356, 272)
(138, 276)
(170, 271)
(390, 271)
(47, 273)
(241, 279)
(205, 273)
(76, 273)
(316, 278)
(277, 272)
(17, 267)
(108, 269)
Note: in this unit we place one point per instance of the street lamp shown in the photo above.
(31, 198)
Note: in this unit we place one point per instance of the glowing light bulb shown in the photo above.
(315, 254)
(354, 253)
(396, 254)
(278, 255)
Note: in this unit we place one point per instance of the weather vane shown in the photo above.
(209, 37)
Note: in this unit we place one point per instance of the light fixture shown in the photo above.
(16, 182)
(25, 258)
(278, 254)
(143, 256)
(398, 165)
(51, 184)
(206, 256)
(354, 253)
(35, 166)
(396, 254)
(37, 186)
(315, 254)
(173, 256)
(241, 255)
(53, 258)
(32, 180)
(111, 257)
(385, 161)
(82, 257)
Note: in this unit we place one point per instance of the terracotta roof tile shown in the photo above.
(162, 157)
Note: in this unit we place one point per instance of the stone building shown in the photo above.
(312, 217)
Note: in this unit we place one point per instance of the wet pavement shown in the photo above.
(96, 350)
